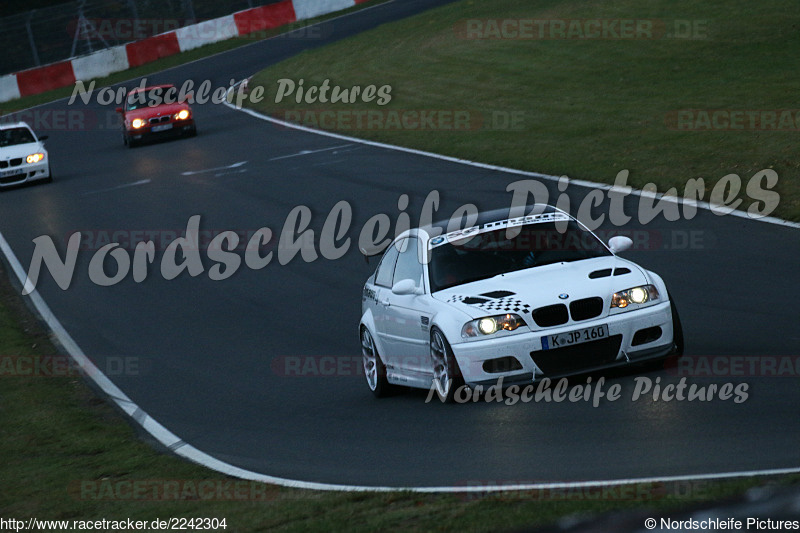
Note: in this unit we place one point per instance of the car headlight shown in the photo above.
(492, 324)
(137, 123)
(634, 295)
(34, 158)
(183, 114)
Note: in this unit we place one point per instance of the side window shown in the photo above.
(408, 265)
(383, 276)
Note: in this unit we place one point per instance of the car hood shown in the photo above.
(525, 290)
(20, 150)
(147, 112)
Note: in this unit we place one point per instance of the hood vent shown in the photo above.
(600, 273)
(472, 300)
(498, 294)
(622, 270)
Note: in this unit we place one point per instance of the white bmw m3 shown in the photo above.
(519, 298)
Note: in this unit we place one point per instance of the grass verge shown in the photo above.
(655, 103)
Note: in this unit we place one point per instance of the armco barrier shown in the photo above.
(9, 90)
(39, 80)
(152, 48)
(119, 58)
(265, 17)
(100, 64)
(306, 9)
(207, 32)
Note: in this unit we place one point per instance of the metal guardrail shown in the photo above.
(44, 36)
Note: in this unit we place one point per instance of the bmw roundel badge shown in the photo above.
(563, 296)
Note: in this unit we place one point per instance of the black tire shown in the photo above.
(677, 330)
(447, 378)
(670, 361)
(49, 178)
(374, 369)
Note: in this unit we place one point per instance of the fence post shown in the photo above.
(31, 40)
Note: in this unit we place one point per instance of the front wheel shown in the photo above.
(374, 369)
(677, 330)
(446, 375)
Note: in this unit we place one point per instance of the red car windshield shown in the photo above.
(151, 98)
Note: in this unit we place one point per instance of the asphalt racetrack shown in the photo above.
(239, 368)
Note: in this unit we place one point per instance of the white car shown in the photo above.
(522, 299)
(23, 157)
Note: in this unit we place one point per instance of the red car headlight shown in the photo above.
(137, 123)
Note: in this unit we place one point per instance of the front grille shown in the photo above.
(579, 357)
(3, 164)
(13, 179)
(550, 315)
(586, 308)
(156, 120)
(16, 162)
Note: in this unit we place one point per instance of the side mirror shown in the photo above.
(619, 244)
(188, 97)
(43, 137)
(405, 287)
(119, 110)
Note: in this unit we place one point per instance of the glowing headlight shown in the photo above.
(491, 325)
(137, 123)
(636, 295)
(34, 158)
(182, 115)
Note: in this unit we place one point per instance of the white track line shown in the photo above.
(548, 177)
(308, 152)
(118, 187)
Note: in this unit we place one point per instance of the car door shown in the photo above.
(408, 315)
(380, 308)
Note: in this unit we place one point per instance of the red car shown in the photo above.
(153, 112)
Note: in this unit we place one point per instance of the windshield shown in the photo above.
(151, 98)
(490, 253)
(13, 136)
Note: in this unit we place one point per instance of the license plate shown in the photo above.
(162, 127)
(578, 336)
(5, 173)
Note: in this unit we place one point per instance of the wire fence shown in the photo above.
(43, 36)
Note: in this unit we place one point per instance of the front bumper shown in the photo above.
(478, 360)
(25, 173)
(176, 128)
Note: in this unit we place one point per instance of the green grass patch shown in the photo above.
(587, 108)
